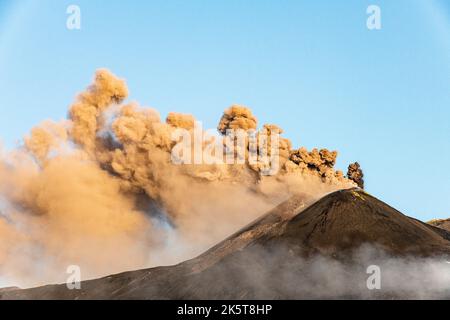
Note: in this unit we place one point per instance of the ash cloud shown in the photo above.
(99, 189)
(356, 174)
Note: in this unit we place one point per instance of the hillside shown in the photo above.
(321, 251)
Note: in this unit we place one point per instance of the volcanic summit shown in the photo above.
(295, 251)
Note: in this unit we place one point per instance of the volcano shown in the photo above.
(321, 250)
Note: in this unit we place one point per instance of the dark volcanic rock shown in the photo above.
(321, 251)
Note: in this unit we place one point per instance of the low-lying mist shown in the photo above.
(367, 272)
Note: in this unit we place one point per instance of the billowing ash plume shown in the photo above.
(100, 190)
(237, 117)
(356, 174)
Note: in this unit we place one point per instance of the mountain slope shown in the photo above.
(441, 223)
(321, 251)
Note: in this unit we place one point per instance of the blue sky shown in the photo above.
(379, 97)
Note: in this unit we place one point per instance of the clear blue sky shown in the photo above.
(312, 67)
